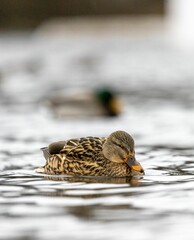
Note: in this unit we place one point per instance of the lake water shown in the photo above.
(155, 82)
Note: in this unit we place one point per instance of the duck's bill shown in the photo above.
(135, 165)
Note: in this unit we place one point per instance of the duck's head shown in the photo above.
(110, 102)
(119, 147)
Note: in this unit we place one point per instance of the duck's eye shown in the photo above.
(118, 144)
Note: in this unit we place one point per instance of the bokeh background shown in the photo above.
(80, 68)
(25, 15)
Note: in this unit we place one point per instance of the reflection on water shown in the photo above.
(157, 206)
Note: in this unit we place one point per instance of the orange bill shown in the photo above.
(137, 168)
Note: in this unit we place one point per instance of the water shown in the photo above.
(158, 96)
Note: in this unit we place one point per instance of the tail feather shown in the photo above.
(46, 152)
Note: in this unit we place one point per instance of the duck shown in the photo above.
(112, 156)
(98, 102)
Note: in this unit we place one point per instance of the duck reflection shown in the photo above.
(132, 181)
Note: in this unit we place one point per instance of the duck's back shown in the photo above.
(81, 156)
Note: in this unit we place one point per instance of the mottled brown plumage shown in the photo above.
(92, 156)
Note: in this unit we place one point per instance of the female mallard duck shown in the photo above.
(100, 102)
(93, 156)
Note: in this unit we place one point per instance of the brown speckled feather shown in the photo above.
(82, 157)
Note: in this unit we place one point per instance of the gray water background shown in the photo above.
(155, 81)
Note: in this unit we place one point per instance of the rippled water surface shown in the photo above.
(158, 96)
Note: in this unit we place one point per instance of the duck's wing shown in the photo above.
(83, 148)
(57, 147)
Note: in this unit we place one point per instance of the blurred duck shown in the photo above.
(102, 102)
(113, 156)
